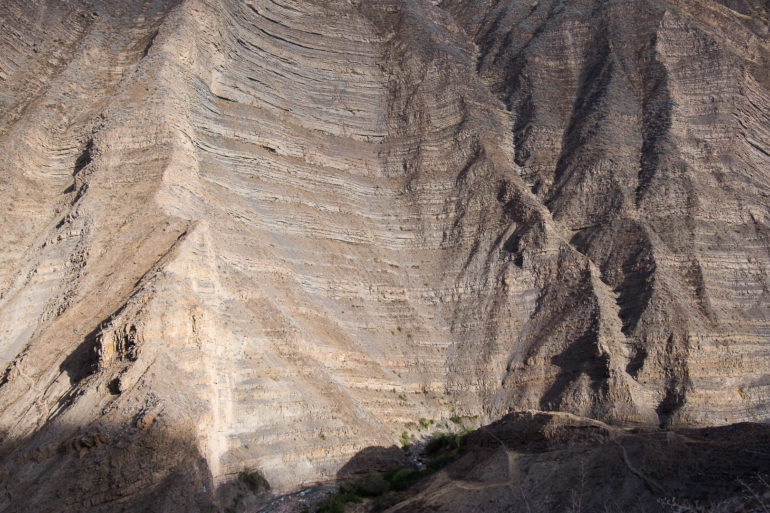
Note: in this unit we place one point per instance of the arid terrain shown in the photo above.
(267, 237)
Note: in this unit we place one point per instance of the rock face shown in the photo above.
(266, 234)
(541, 462)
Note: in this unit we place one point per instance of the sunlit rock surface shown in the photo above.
(268, 234)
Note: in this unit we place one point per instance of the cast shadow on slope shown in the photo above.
(144, 466)
(530, 461)
(552, 462)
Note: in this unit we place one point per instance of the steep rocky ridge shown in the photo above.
(277, 231)
(648, 120)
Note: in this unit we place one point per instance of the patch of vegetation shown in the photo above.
(443, 449)
(372, 485)
(254, 480)
(379, 487)
(382, 488)
(335, 503)
(455, 418)
(426, 423)
(401, 478)
(405, 440)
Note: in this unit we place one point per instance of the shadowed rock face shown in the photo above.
(555, 462)
(287, 228)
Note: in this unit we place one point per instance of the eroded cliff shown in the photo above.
(272, 233)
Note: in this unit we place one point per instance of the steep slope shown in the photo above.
(643, 128)
(552, 462)
(269, 234)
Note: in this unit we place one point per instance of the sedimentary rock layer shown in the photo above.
(276, 232)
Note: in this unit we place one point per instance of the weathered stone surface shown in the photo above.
(280, 230)
(556, 462)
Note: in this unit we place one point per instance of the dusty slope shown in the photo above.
(274, 232)
(556, 462)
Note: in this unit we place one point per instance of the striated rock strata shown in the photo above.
(267, 234)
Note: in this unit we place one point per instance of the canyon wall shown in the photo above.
(269, 234)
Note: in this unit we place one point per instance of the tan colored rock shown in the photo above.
(283, 230)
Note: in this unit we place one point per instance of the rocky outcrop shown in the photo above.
(631, 123)
(549, 462)
(285, 229)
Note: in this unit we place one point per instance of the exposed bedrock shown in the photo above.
(289, 228)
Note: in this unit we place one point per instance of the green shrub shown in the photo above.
(405, 440)
(441, 450)
(442, 442)
(455, 418)
(401, 478)
(372, 485)
(442, 461)
(335, 503)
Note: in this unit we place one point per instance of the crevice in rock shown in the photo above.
(587, 112)
(149, 44)
(84, 360)
(84, 158)
(512, 246)
(694, 276)
(656, 120)
(636, 362)
(96, 351)
(635, 291)
(677, 380)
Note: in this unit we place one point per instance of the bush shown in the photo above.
(336, 503)
(401, 478)
(442, 449)
(372, 485)
(443, 442)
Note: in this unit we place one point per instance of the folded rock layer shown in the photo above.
(267, 234)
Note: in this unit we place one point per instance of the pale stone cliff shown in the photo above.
(270, 233)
